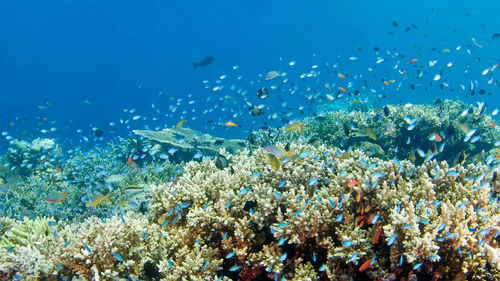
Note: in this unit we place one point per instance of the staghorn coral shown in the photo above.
(94, 248)
(302, 202)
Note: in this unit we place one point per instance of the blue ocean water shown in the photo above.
(76, 65)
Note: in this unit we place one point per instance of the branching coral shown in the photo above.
(320, 210)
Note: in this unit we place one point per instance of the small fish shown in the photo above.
(283, 257)
(274, 161)
(204, 62)
(87, 248)
(295, 126)
(98, 199)
(198, 155)
(230, 255)
(322, 268)
(117, 257)
(413, 61)
(57, 196)
(353, 257)
(417, 266)
(352, 183)
(347, 243)
(230, 124)
(435, 137)
(391, 240)
(371, 134)
(275, 150)
(358, 196)
(234, 268)
(366, 264)
(179, 124)
(272, 75)
(376, 236)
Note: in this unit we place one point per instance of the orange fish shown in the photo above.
(435, 137)
(342, 89)
(376, 236)
(131, 163)
(230, 124)
(370, 218)
(362, 223)
(492, 125)
(362, 209)
(352, 183)
(340, 75)
(386, 83)
(358, 196)
(366, 264)
(346, 220)
(357, 220)
(413, 61)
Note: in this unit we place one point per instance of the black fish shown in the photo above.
(204, 62)
(387, 111)
(461, 157)
(262, 93)
(98, 133)
(395, 24)
(221, 162)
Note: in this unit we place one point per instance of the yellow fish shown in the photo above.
(98, 199)
(179, 124)
(295, 126)
(412, 157)
(275, 162)
(371, 134)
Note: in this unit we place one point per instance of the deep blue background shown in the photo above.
(67, 51)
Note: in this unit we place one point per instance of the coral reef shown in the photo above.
(309, 214)
(299, 208)
(25, 159)
(186, 142)
(416, 132)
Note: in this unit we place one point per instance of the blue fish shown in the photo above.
(338, 218)
(244, 191)
(277, 194)
(281, 242)
(235, 268)
(230, 255)
(297, 213)
(347, 243)
(353, 257)
(87, 248)
(205, 265)
(283, 257)
(322, 268)
(117, 257)
(224, 236)
(331, 203)
(391, 240)
(417, 266)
